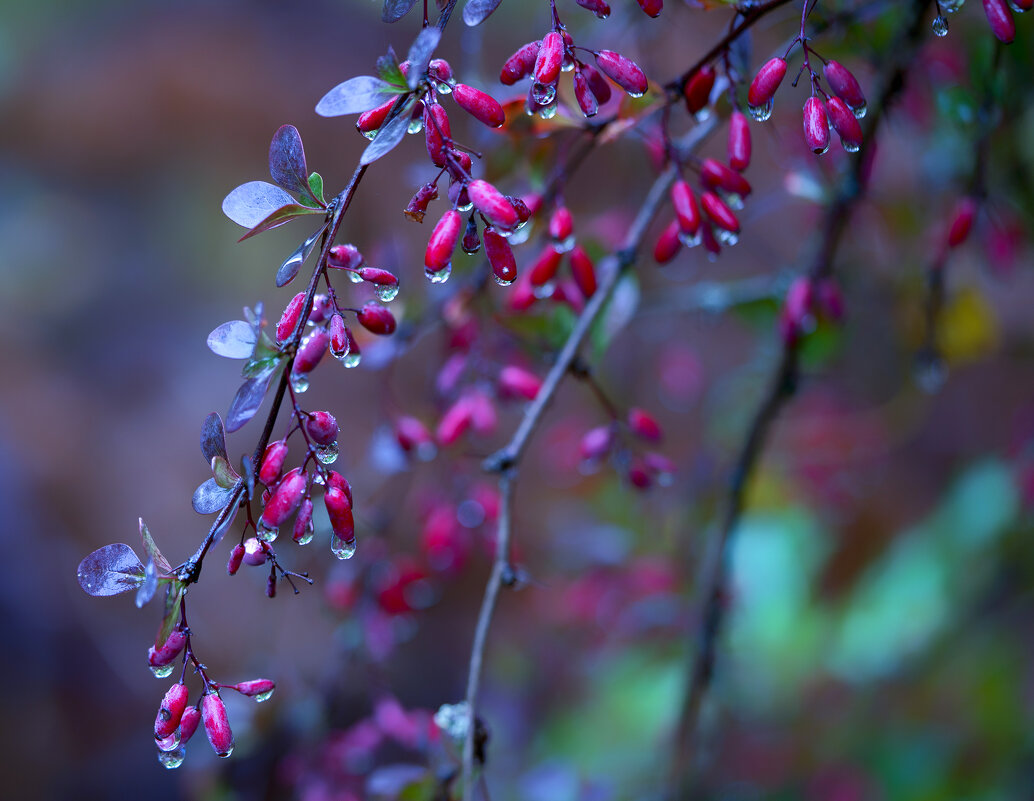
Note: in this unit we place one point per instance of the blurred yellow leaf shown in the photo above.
(968, 328)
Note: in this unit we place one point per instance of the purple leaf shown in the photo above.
(150, 585)
(282, 215)
(213, 439)
(477, 11)
(209, 498)
(355, 96)
(234, 340)
(111, 570)
(390, 134)
(246, 402)
(250, 203)
(394, 10)
(287, 160)
(152, 548)
(420, 54)
(289, 269)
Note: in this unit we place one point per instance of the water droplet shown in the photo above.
(439, 276)
(265, 533)
(453, 720)
(387, 292)
(568, 63)
(940, 26)
(859, 110)
(548, 112)
(371, 134)
(416, 125)
(521, 234)
(732, 200)
(821, 151)
(850, 147)
(354, 277)
(351, 359)
(263, 697)
(327, 454)
(762, 113)
(501, 281)
(543, 93)
(951, 6)
(691, 241)
(306, 536)
(545, 290)
(342, 549)
(443, 87)
(170, 743)
(1017, 7)
(727, 238)
(703, 115)
(162, 671)
(565, 245)
(172, 759)
(635, 94)
(299, 382)
(465, 207)
(224, 754)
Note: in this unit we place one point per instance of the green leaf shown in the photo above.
(256, 368)
(389, 71)
(316, 188)
(225, 476)
(173, 595)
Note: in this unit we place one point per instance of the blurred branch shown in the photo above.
(713, 596)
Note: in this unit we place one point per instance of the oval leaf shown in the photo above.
(388, 137)
(289, 269)
(224, 475)
(234, 340)
(394, 10)
(250, 203)
(477, 11)
(245, 403)
(287, 160)
(354, 96)
(213, 439)
(111, 570)
(150, 585)
(282, 215)
(420, 54)
(209, 498)
(152, 548)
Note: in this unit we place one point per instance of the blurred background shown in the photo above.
(880, 636)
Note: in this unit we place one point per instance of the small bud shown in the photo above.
(272, 462)
(816, 125)
(217, 725)
(188, 723)
(271, 585)
(492, 205)
(583, 271)
(845, 124)
(644, 425)
(443, 241)
(377, 319)
(255, 552)
(500, 256)
(766, 82)
(322, 428)
(739, 141)
(417, 207)
(339, 510)
(322, 308)
(999, 17)
(719, 213)
(844, 84)
(344, 257)
(543, 270)
(520, 64)
(171, 710)
(436, 133)
(516, 382)
(236, 557)
(159, 657)
(719, 176)
(370, 121)
(639, 475)
(698, 89)
(550, 58)
(285, 499)
(480, 106)
(596, 443)
(962, 221)
(668, 243)
(623, 71)
(312, 350)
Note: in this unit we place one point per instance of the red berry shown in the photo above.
(844, 84)
(597, 7)
(583, 271)
(720, 176)
(255, 552)
(816, 125)
(171, 710)
(289, 319)
(697, 90)
(999, 17)
(377, 319)
(217, 725)
(440, 70)
(500, 256)
(322, 428)
(687, 213)
(479, 105)
(159, 657)
(417, 207)
(845, 124)
(370, 121)
(797, 309)
(303, 521)
(962, 221)
(483, 416)
(597, 83)
(339, 510)
(272, 462)
(188, 723)
(668, 243)
(285, 499)
(719, 213)
(520, 64)
(375, 275)
(583, 94)
(454, 422)
(412, 434)
(338, 481)
(236, 557)
(644, 425)
(550, 58)
(312, 350)
(492, 205)
(338, 337)
(544, 269)
(443, 241)
(739, 141)
(345, 257)
(436, 132)
(623, 71)
(518, 382)
(561, 224)
(766, 82)
(255, 687)
(651, 7)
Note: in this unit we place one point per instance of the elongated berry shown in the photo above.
(500, 256)
(289, 319)
(669, 243)
(170, 711)
(302, 531)
(285, 499)
(844, 84)
(338, 481)
(597, 83)
(272, 462)
(171, 648)
(345, 257)
(516, 382)
(962, 221)
(520, 64)
(339, 510)
(583, 94)
(651, 8)
(739, 141)
(375, 275)
(338, 337)
(643, 424)
(999, 17)
(217, 725)
(312, 350)
(623, 71)
(254, 687)
(583, 271)
(188, 723)
(596, 443)
(377, 319)
(440, 70)
(481, 106)
(443, 241)
(697, 90)
(816, 125)
(370, 121)
(719, 213)
(845, 124)
(561, 224)
(321, 427)
(720, 176)
(417, 207)
(766, 82)
(597, 7)
(492, 205)
(454, 422)
(545, 266)
(412, 434)
(687, 212)
(437, 132)
(236, 557)
(550, 58)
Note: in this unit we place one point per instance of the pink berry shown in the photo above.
(303, 521)
(550, 58)
(236, 557)
(375, 275)
(720, 176)
(377, 319)
(443, 241)
(370, 121)
(171, 648)
(520, 64)
(596, 443)
(543, 270)
(517, 382)
(623, 71)
(687, 213)
(188, 723)
(255, 552)
(651, 8)
(255, 687)
(739, 141)
(697, 90)
(289, 319)
(171, 710)
(597, 7)
(766, 82)
(436, 133)
(644, 425)
(479, 105)
(597, 83)
(412, 434)
(719, 213)
(272, 462)
(561, 224)
(322, 428)
(962, 221)
(338, 337)
(668, 243)
(339, 510)
(999, 17)
(312, 350)
(845, 124)
(285, 499)
(454, 422)
(844, 84)
(492, 205)
(583, 271)
(417, 207)
(217, 725)
(338, 481)
(583, 94)
(816, 125)
(345, 257)
(500, 256)
(440, 70)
